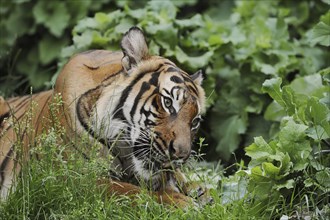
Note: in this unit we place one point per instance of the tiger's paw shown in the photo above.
(199, 193)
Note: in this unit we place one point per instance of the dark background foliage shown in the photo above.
(239, 45)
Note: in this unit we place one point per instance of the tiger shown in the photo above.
(147, 99)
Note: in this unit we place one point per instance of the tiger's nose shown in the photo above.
(179, 152)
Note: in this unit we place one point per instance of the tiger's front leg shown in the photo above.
(165, 196)
(196, 190)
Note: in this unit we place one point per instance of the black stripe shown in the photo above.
(82, 121)
(168, 63)
(4, 164)
(176, 79)
(119, 111)
(193, 90)
(173, 69)
(168, 92)
(163, 142)
(145, 87)
(159, 145)
(154, 79)
(172, 90)
(171, 148)
(188, 79)
(155, 104)
(109, 77)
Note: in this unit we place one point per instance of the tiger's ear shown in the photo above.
(134, 47)
(197, 77)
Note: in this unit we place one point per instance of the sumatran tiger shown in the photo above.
(147, 99)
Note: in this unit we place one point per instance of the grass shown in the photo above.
(59, 183)
(56, 186)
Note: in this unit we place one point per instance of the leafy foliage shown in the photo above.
(33, 34)
(258, 41)
(297, 160)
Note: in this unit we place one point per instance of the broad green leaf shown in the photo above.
(321, 34)
(326, 18)
(319, 114)
(193, 62)
(317, 133)
(49, 48)
(270, 170)
(165, 9)
(195, 21)
(229, 140)
(308, 182)
(259, 149)
(18, 23)
(286, 164)
(84, 40)
(274, 112)
(292, 131)
(54, 15)
(273, 88)
(289, 184)
(323, 177)
(310, 85)
(292, 140)
(290, 100)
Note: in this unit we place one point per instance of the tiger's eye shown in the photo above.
(168, 102)
(195, 123)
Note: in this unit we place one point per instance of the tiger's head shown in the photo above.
(153, 105)
(162, 105)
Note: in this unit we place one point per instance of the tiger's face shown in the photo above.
(162, 106)
(151, 103)
(164, 117)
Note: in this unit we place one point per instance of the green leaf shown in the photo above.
(229, 140)
(321, 34)
(273, 88)
(19, 23)
(193, 62)
(310, 85)
(289, 98)
(50, 48)
(165, 9)
(289, 184)
(195, 21)
(323, 177)
(53, 15)
(317, 133)
(274, 112)
(292, 140)
(270, 169)
(259, 149)
(319, 114)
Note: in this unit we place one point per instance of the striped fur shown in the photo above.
(152, 104)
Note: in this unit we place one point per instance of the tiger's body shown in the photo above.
(147, 101)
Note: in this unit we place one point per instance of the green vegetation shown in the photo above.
(267, 82)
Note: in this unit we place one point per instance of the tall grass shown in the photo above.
(58, 182)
